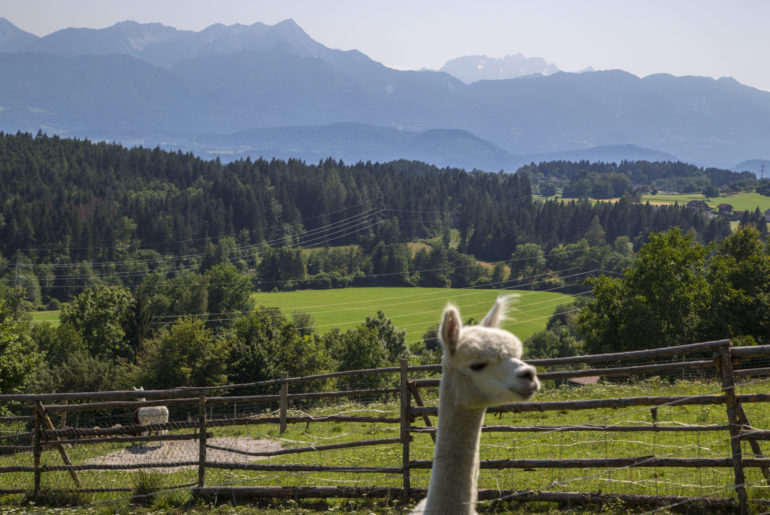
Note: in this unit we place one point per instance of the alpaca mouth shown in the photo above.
(525, 393)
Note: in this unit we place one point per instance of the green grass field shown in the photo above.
(692, 481)
(670, 198)
(412, 309)
(744, 201)
(739, 201)
(51, 317)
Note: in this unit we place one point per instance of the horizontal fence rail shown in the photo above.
(204, 415)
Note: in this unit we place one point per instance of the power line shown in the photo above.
(190, 240)
(88, 277)
(244, 248)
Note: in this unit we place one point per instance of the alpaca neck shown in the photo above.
(455, 470)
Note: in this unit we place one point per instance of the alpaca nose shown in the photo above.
(527, 373)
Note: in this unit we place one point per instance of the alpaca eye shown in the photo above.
(476, 367)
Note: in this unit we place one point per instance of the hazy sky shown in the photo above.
(714, 38)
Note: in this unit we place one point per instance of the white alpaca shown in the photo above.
(150, 415)
(481, 368)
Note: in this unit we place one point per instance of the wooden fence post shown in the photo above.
(37, 445)
(202, 436)
(64, 456)
(405, 405)
(755, 447)
(284, 401)
(418, 401)
(63, 419)
(728, 386)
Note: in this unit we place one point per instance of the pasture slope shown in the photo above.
(740, 201)
(412, 309)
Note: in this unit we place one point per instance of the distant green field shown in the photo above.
(45, 316)
(670, 198)
(413, 309)
(744, 201)
(739, 201)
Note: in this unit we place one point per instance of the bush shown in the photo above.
(100, 316)
(186, 354)
(267, 343)
(81, 372)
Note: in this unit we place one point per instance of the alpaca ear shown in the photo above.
(449, 331)
(497, 314)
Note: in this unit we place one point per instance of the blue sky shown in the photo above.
(683, 37)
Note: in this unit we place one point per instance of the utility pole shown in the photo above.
(19, 279)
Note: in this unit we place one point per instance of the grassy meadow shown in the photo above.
(693, 482)
(52, 317)
(740, 201)
(412, 309)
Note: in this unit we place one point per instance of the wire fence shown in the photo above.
(653, 429)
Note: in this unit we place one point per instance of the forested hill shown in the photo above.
(608, 180)
(85, 199)
(65, 200)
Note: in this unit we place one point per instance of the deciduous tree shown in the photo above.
(184, 354)
(662, 301)
(100, 315)
(18, 354)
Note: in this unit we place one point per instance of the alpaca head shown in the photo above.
(140, 389)
(483, 363)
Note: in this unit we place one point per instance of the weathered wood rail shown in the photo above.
(717, 358)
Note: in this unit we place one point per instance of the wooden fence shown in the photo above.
(710, 358)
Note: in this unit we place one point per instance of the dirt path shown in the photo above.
(186, 450)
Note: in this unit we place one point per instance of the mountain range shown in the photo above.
(473, 68)
(273, 91)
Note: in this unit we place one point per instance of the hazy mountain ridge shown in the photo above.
(358, 142)
(352, 143)
(166, 46)
(759, 167)
(169, 85)
(603, 153)
(13, 38)
(472, 68)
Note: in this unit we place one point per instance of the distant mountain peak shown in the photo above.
(288, 22)
(127, 37)
(129, 23)
(472, 68)
(12, 38)
(166, 46)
